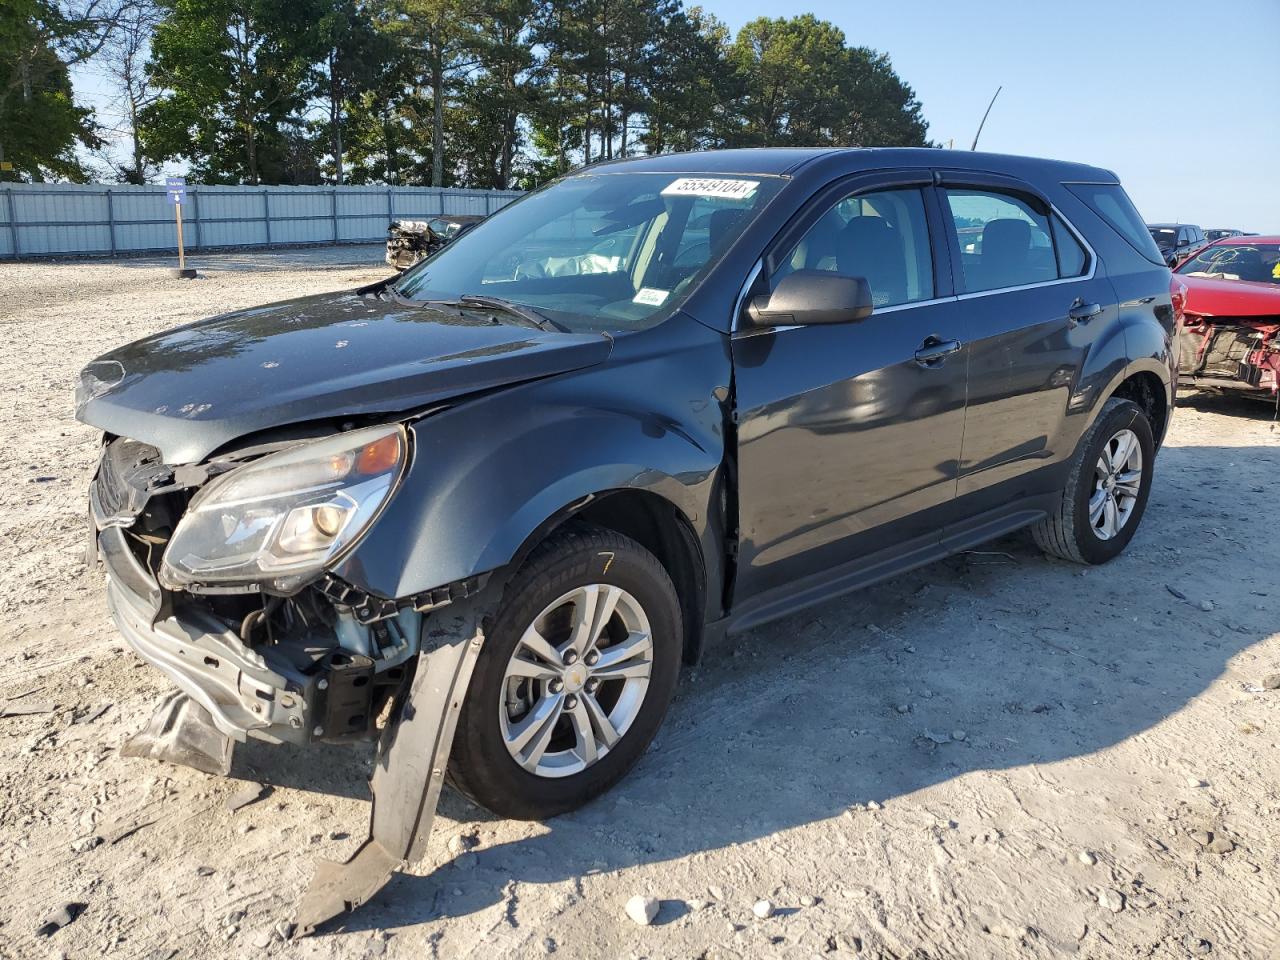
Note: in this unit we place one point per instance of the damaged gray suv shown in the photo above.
(482, 512)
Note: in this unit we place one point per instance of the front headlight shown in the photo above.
(278, 522)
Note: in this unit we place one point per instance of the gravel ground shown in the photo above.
(998, 755)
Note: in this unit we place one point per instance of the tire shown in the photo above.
(1069, 532)
(575, 559)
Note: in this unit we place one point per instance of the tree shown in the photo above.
(801, 85)
(439, 32)
(235, 72)
(351, 51)
(124, 59)
(689, 85)
(40, 124)
(500, 90)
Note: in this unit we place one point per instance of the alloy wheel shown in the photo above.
(1117, 479)
(576, 681)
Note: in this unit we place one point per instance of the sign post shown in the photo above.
(176, 187)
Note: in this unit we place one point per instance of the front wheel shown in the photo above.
(574, 679)
(1107, 488)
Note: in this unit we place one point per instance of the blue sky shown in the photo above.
(1180, 98)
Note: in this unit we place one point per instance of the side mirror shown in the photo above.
(811, 297)
(1184, 243)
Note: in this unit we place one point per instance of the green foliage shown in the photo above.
(40, 124)
(483, 93)
(801, 84)
(235, 72)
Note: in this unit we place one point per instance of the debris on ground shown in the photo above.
(643, 910)
(251, 792)
(64, 916)
(26, 708)
(1111, 899)
(91, 714)
(763, 909)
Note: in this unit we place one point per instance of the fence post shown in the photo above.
(266, 213)
(111, 221)
(13, 220)
(487, 210)
(333, 209)
(195, 219)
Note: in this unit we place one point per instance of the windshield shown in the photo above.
(597, 251)
(1254, 262)
(1164, 236)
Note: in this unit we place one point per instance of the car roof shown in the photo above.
(1169, 226)
(785, 161)
(1228, 241)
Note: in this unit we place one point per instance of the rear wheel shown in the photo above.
(574, 679)
(1107, 489)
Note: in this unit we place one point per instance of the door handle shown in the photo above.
(934, 350)
(1082, 312)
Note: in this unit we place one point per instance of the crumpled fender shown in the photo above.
(413, 755)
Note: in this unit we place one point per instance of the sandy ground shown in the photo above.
(999, 755)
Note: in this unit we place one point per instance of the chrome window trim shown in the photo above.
(1084, 277)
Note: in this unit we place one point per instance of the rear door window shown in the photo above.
(1004, 240)
(1112, 204)
(1073, 260)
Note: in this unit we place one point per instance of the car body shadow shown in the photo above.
(1228, 404)
(985, 661)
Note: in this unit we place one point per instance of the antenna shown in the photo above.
(984, 117)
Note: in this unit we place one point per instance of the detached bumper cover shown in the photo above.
(243, 693)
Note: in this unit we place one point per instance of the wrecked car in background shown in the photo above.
(409, 241)
(1231, 332)
(483, 511)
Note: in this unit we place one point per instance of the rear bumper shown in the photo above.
(243, 692)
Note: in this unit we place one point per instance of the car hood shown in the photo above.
(190, 390)
(1212, 297)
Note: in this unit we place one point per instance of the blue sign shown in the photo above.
(177, 189)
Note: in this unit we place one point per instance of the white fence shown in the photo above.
(40, 220)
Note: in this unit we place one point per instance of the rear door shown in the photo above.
(849, 434)
(1036, 303)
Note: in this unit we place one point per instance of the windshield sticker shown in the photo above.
(703, 187)
(651, 296)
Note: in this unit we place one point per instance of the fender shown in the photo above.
(1141, 341)
(489, 473)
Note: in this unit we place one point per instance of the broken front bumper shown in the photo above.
(245, 693)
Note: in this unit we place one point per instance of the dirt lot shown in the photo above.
(999, 755)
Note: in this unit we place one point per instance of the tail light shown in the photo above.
(1178, 294)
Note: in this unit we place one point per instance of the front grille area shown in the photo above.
(1229, 348)
(1228, 345)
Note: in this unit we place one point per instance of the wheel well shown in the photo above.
(1146, 390)
(662, 530)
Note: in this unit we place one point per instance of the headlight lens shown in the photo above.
(278, 522)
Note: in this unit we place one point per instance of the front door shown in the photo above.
(849, 435)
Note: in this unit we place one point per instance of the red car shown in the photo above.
(1231, 318)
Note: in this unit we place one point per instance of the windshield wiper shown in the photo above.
(526, 313)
